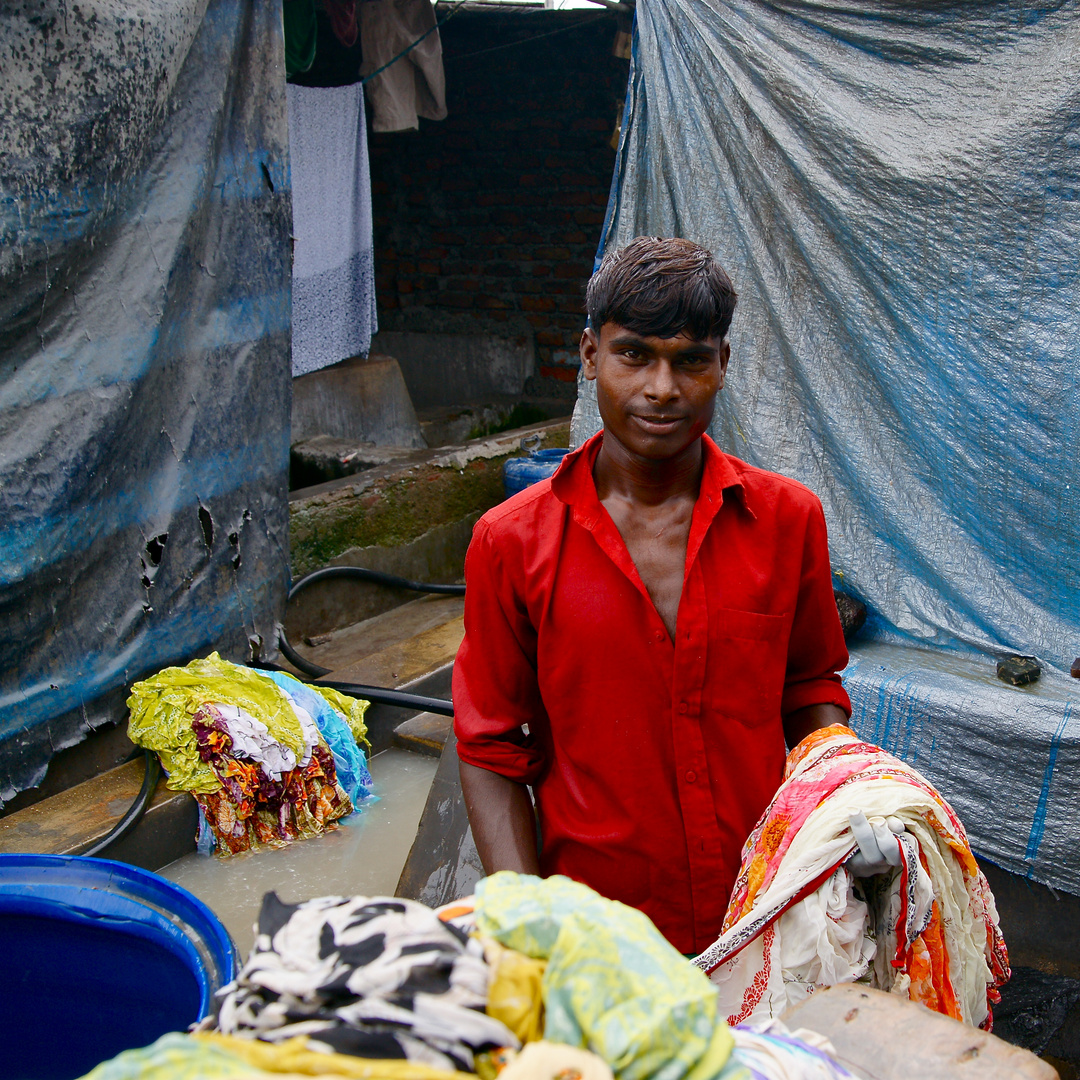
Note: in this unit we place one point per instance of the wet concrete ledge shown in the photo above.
(393, 505)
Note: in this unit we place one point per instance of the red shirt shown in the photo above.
(650, 759)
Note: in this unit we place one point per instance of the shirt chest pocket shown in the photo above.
(747, 661)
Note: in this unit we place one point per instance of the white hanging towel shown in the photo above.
(333, 280)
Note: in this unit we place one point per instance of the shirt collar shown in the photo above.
(573, 482)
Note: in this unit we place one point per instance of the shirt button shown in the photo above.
(682, 706)
(691, 776)
(659, 635)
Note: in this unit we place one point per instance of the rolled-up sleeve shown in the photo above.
(816, 649)
(498, 711)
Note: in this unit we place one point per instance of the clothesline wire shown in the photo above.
(525, 40)
(409, 48)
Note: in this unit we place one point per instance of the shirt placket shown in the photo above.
(703, 836)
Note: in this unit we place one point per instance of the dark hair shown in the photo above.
(661, 287)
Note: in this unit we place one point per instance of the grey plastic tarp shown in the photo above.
(144, 352)
(895, 190)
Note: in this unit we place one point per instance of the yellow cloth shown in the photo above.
(161, 709)
(353, 709)
(293, 1056)
(209, 1056)
(612, 983)
(514, 993)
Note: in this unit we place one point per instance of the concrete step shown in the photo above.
(410, 648)
(426, 733)
(71, 821)
(359, 643)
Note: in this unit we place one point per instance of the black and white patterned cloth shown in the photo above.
(370, 976)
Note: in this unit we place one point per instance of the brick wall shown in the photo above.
(488, 221)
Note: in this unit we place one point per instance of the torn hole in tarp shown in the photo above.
(155, 552)
(206, 523)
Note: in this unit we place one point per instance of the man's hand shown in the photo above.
(502, 819)
(878, 850)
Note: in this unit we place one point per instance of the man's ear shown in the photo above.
(725, 356)
(590, 345)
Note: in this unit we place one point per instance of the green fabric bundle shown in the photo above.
(613, 984)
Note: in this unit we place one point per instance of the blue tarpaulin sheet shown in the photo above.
(144, 353)
(895, 190)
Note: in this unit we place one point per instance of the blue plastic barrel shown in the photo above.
(520, 473)
(97, 957)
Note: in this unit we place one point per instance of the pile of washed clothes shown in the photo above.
(530, 979)
(268, 758)
(926, 929)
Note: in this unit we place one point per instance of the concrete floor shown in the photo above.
(364, 856)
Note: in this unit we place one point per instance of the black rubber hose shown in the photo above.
(135, 811)
(376, 577)
(394, 697)
(381, 695)
(357, 573)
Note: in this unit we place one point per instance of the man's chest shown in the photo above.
(600, 636)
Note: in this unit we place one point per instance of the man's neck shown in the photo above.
(647, 481)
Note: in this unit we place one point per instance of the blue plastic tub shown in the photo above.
(522, 472)
(97, 957)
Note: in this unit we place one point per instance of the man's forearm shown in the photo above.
(503, 825)
(802, 722)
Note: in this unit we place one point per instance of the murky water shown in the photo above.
(364, 856)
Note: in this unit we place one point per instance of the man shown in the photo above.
(645, 630)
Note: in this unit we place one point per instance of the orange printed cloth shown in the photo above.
(253, 810)
(797, 920)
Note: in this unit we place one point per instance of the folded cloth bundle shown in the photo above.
(795, 923)
(260, 752)
(373, 977)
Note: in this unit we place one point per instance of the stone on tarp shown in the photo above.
(852, 614)
(1018, 670)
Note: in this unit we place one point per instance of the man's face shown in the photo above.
(656, 395)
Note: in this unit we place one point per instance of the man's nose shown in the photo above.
(661, 385)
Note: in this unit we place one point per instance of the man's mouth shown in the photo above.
(658, 423)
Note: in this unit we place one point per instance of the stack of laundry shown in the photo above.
(798, 920)
(269, 759)
(529, 980)
(377, 978)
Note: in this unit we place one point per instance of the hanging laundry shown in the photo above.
(333, 283)
(376, 977)
(253, 753)
(342, 16)
(298, 20)
(797, 922)
(414, 85)
(335, 63)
